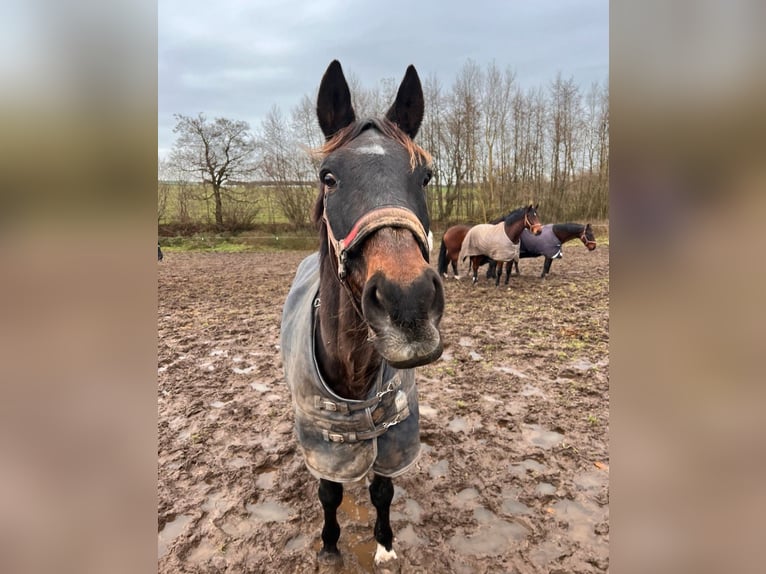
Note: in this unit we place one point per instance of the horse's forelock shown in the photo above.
(390, 130)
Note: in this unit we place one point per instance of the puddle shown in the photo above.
(217, 404)
(408, 537)
(269, 511)
(581, 517)
(591, 482)
(202, 552)
(215, 502)
(260, 387)
(439, 469)
(357, 513)
(169, 533)
(532, 391)
(427, 411)
(535, 435)
(245, 371)
(446, 356)
(511, 506)
(458, 424)
(545, 489)
(475, 356)
(492, 537)
(581, 365)
(466, 342)
(265, 480)
(520, 469)
(297, 543)
(511, 371)
(237, 527)
(468, 496)
(238, 462)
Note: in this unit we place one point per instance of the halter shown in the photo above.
(369, 223)
(587, 241)
(527, 223)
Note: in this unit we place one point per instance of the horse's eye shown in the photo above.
(427, 178)
(329, 180)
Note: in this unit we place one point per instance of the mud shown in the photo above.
(514, 471)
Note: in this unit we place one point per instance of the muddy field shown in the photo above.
(514, 470)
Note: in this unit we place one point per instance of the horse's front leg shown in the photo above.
(330, 495)
(381, 494)
(546, 267)
(475, 267)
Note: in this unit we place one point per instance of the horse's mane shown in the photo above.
(513, 215)
(569, 227)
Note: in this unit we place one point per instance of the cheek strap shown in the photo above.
(368, 224)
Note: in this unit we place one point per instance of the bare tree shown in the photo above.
(285, 167)
(221, 153)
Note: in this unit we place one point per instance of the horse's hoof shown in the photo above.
(329, 562)
(386, 561)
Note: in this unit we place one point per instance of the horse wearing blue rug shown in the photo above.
(552, 237)
(364, 310)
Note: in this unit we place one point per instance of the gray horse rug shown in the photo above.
(490, 240)
(342, 439)
(546, 243)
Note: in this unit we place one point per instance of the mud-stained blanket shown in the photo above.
(546, 243)
(342, 439)
(489, 240)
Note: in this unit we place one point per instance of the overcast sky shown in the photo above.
(238, 58)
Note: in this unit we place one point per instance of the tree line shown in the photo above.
(495, 146)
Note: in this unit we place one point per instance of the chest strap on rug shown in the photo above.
(323, 403)
(330, 436)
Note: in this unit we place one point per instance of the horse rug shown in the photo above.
(342, 439)
(546, 243)
(490, 240)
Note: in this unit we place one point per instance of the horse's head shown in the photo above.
(588, 238)
(531, 221)
(374, 219)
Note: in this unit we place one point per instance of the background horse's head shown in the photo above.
(588, 238)
(521, 219)
(374, 221)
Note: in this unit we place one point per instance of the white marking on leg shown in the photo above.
(382, 555)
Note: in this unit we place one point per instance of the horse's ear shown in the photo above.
(536, 204)
(407, 110)
(334, 109)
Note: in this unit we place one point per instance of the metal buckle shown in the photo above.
(332, 436)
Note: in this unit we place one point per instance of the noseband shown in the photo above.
(527, 223)
(587, 241)
(368, 224)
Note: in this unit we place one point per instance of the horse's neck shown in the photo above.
(347, 361)
(513, 230)
(568, 231)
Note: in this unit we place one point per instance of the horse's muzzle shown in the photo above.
(405, 319)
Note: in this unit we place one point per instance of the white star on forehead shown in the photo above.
(371, 149)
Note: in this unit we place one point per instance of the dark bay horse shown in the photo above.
(500, 241)
(364, 310)
(548, 243)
